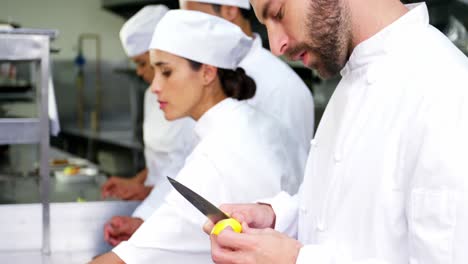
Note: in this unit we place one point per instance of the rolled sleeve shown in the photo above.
(285, 207)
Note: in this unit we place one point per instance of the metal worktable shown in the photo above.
(45, 232)
(76, 229)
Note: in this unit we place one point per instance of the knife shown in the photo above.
(218, 217)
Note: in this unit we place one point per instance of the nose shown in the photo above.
(155, 88)
(279, 40)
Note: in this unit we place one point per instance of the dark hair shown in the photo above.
(236, 84)
(245, 12)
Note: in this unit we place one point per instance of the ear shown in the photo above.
(209, 74)
(230, 13)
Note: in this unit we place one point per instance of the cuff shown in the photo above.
(286, 211)
(313, 254)
(125, 251)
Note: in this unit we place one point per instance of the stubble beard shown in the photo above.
(329, 36)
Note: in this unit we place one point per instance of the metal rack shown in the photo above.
(30, 45)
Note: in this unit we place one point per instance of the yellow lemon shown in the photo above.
(221, 225)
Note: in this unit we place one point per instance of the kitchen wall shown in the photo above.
(73, 18)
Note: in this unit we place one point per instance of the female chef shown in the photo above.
(242, 154)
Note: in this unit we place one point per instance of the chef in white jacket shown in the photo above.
(242, 155)
(166, 143)
(387, 175)
(280, 91)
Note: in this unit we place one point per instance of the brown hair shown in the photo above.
(235, 84)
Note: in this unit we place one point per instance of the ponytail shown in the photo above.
(237, 84)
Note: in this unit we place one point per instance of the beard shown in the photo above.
(328, 36)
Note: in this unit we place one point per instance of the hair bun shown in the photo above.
(237, 84)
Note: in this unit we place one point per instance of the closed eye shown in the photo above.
(166, 73)
(279, 15)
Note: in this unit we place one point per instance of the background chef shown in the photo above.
(280, 91)
(242, 154)
(166, 143)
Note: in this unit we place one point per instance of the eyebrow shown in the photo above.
(266, 10)
(159, 63)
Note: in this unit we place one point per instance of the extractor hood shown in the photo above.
(127, 8)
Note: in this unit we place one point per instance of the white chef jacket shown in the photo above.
(167, 145)
(243, 155)
(280, 93)
(387, 175)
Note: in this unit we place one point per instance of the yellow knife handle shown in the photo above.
(221, 225)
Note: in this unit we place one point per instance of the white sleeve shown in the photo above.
(328, 254)
(437, 197)
(132, 254)
(175, 228)
(154, 200)
(146, 208)
(436, 204)
(285, 207)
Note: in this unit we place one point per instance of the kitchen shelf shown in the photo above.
(18, 96)
(20, 130)
(32, 46)
(118, 137)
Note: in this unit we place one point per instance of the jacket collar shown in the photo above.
(215, 117)
(387, 39)
(256, 45)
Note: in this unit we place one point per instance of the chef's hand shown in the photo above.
(125, 190)
(255, 215)
(111, 183)
(261, 246)
(120, 228)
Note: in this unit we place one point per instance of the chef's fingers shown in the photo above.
(208, 226)
(239, 216)
(121, 191)
(113, 232)
(117, 220)
(221, 255)
(109, 190)
(108, 184)
(240, 212)
(106, 232)
(105, 192)
(236, 241)
(132, 192)
(127, 192)
(255, 231)
(114, 241)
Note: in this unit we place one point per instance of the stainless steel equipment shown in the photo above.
(33, 46)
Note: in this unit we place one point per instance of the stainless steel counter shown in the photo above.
(18, 189)
(76, 231)
(76, 228)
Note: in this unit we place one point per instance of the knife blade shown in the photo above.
(203, 205)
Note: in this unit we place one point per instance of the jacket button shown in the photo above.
(320, 226)
(303, 209)
(313, 143)
(337, 158)
(371, 77)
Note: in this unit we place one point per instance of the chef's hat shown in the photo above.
(239, 3)
(202, 38)
(137, 31)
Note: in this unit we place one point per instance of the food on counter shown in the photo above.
(71, 170)
(56, 162)
(62, 162)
